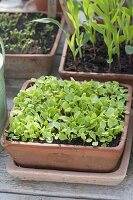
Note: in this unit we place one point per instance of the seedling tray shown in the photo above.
(112, 178)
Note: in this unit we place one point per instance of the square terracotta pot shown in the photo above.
(68, 157)
(80, 76)
(26, 66)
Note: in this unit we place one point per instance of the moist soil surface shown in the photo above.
(97, 62)
(114, 143)
(23, 36)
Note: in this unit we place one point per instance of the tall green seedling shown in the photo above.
(89, 13)
(78, 38)
(118, 37)
(109, 11)
(101, 8)
(126, 27)
(73, 14)
(108, 39)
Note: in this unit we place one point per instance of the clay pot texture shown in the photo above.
(80, 76)
(68, 157)
(26, 66)
(42, 5)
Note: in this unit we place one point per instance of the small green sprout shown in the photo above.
(52, 109)
(22, 36)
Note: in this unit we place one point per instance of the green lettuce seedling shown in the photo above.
(53, 110)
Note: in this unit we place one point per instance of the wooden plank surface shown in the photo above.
(4, 196)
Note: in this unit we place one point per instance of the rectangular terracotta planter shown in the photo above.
(80, 76)
(26, 66)
(111, 178)
(68, 157)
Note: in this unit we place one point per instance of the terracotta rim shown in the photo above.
(6, 142)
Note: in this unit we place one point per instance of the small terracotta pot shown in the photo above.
(42, 5)
(68, 157)
(80, 76)
(26, 66)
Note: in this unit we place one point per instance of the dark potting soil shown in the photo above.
(97, 62)
(40, 42)
(78, 141)
(114, 143)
